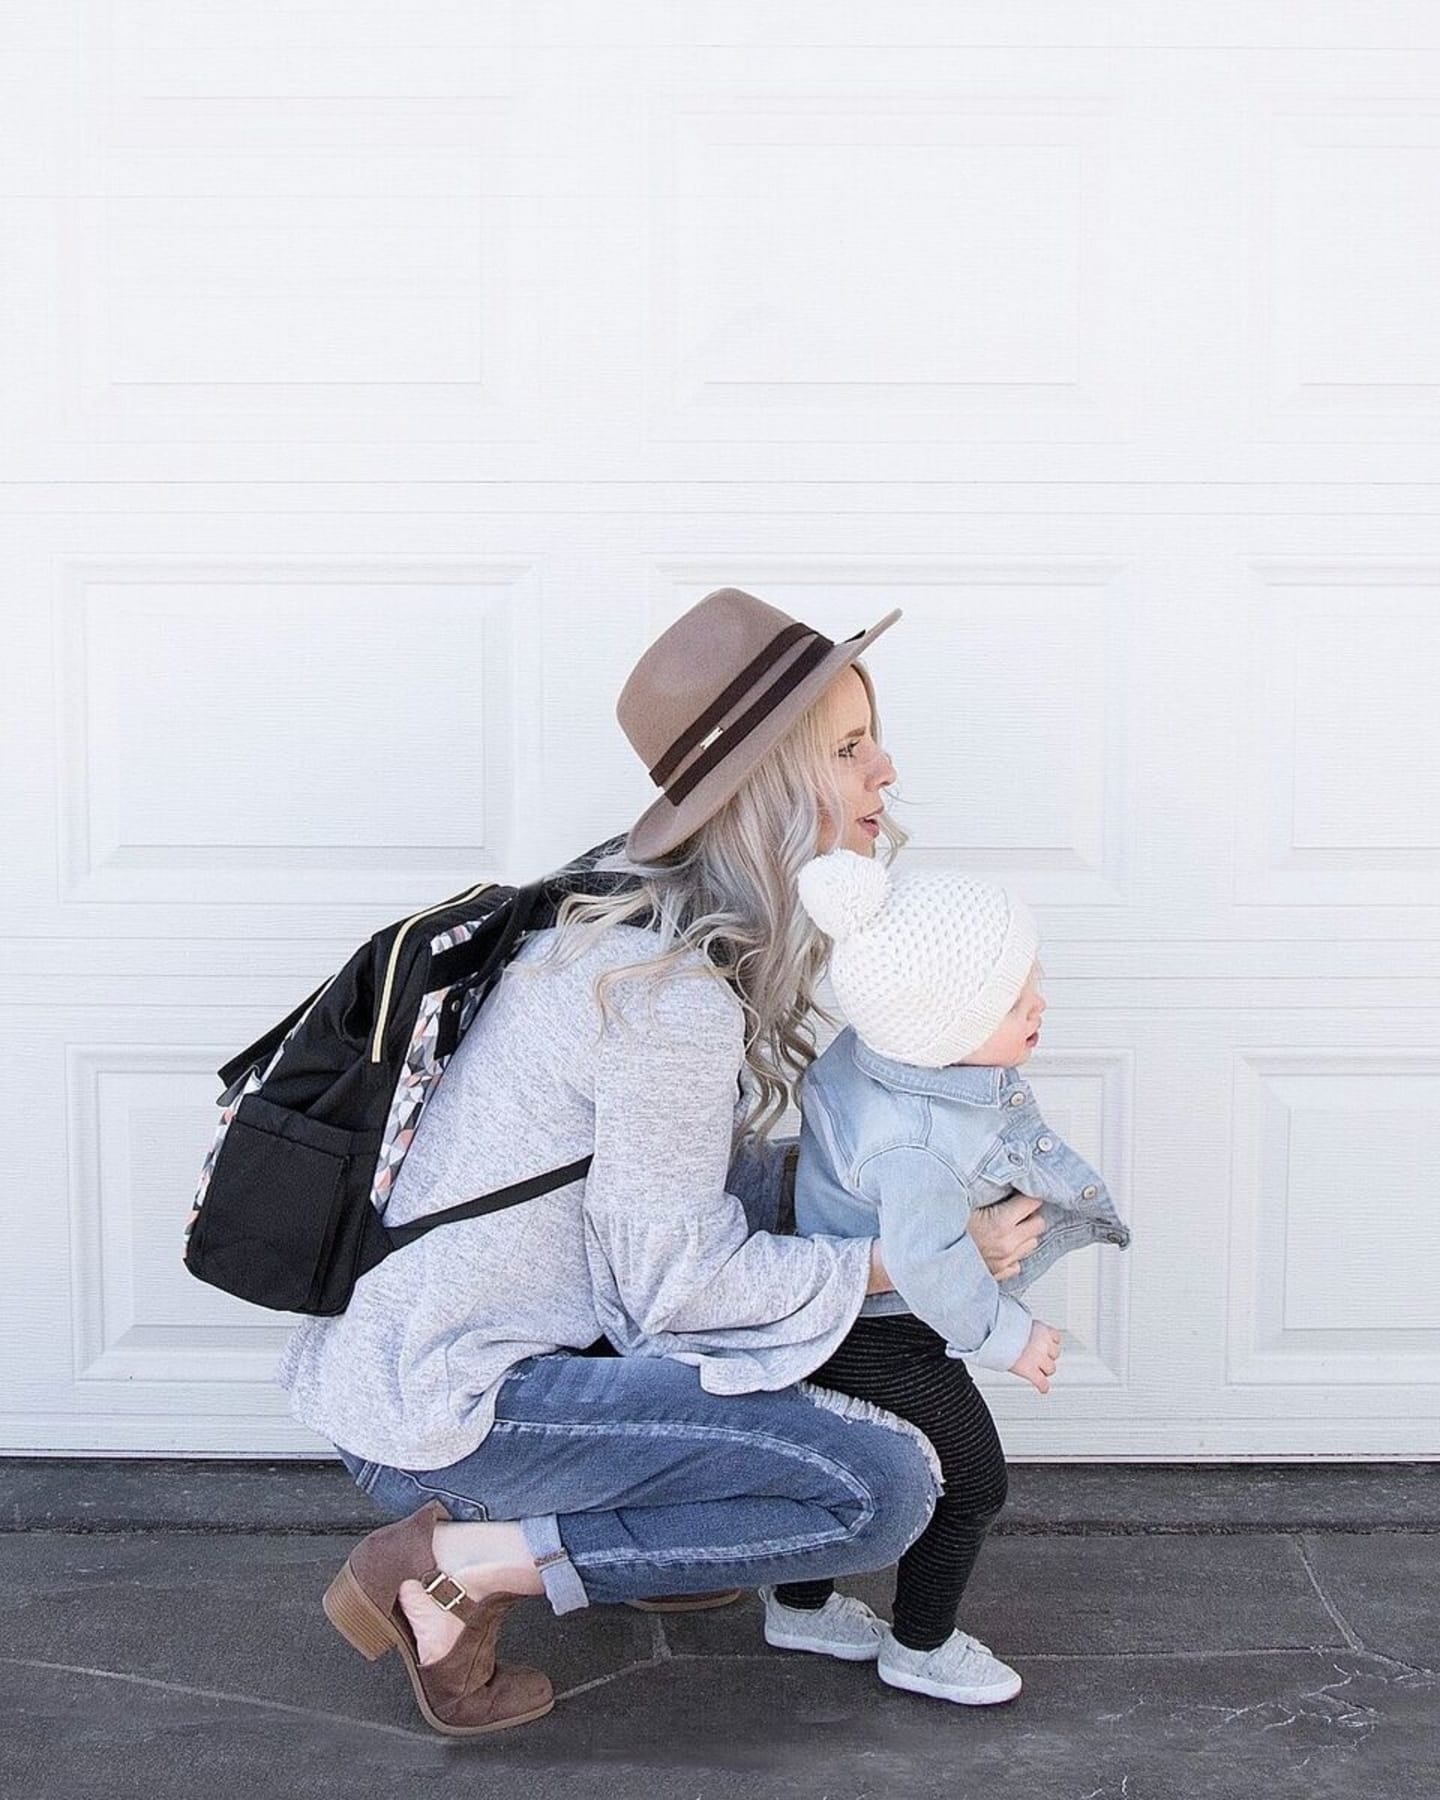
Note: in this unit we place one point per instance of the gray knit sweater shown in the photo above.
(652, 1248)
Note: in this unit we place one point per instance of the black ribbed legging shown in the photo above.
(897, 1361)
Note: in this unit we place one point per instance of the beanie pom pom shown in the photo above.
(843, 891)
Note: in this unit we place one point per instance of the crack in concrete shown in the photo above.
(199, 1693)
(600, 1681)
(1350, 1715)
(1426, 1675)
(1333, 1709)
(1341, 1624)
(303, 1712)
(1124, 1713)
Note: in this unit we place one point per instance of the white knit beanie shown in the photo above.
(926, 967)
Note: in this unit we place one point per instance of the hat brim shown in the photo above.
(664, 825)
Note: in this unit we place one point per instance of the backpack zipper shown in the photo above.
(381, 1019)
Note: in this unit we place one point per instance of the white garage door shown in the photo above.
(376, 383)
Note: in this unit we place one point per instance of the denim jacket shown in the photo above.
(894, 1150)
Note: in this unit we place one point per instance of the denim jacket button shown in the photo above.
(1018, 1097)
(1016, 1156)
(1045, 1143)
(1089, 1193)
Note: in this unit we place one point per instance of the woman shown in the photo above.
(454, 1387)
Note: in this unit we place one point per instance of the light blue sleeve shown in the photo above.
(934, 1262)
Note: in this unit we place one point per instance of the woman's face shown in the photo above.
(863, 767)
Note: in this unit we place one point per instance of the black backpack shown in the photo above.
(317, 1115)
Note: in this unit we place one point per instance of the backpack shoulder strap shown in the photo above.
(488, 1203)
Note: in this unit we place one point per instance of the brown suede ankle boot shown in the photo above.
(467, 1691)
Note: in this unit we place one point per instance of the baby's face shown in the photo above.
(1014, 1039)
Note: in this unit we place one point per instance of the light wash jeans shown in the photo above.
(629, 1480)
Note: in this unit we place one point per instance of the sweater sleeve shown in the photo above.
(935, 1264)
(678, 1244)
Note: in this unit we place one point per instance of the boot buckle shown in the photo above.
(434, 1582)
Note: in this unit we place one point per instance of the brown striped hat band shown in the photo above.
(817, 648)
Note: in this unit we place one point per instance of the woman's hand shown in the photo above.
(1006, 1233)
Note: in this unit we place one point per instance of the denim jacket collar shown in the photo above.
(979, 1083)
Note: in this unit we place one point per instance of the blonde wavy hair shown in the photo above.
(730, 890)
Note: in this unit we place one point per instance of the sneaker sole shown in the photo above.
(841, 1652)
(915, 1684)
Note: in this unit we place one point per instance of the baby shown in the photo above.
(915, 1114)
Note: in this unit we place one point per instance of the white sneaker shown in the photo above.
(962, 1668)
(843, 1627)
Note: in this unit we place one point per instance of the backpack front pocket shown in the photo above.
(285, 1212)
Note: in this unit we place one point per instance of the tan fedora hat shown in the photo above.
(714, 694)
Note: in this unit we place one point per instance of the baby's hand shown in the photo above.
(1036, 1362)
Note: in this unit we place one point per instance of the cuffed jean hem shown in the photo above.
(563, 1587)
